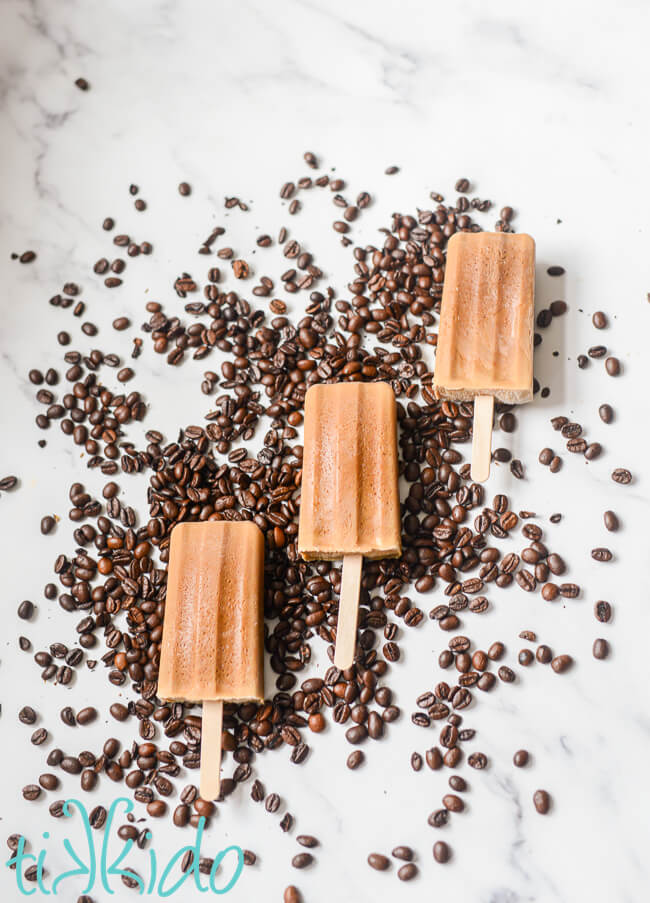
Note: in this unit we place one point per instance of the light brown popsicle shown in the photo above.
(350, 498)
(485, 339)
(212, 643)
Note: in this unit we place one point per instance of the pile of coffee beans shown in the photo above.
(114, 582)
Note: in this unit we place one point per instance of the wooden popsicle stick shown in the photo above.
(211, 722)
(346, 632)
(482, 441)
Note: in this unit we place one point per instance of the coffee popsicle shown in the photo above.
(485, 339)
(212, 643)
(350, 498)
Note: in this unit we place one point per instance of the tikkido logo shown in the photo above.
(99, 871)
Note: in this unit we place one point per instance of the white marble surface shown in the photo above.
(543, 106)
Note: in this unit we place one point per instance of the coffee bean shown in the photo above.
(520, 758)
(27, 715)
(599, 320)
(561, 663)
(378, 861)
(407, 872)
(477, 760)
(86, 715)
(39, 736)
(600, 648)
(613, 366)
(26, 610)
(601, 554)
(453, 803)
(611, 521)
(542, 801)
(603, 611)
(292, 895)
(302, 860)
(441, 852)
(506, 674)
(606, 413)
(622, 476)
(402, 852)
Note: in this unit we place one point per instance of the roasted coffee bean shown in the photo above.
(86, 715)
(439, 818)
(599, 320)
(292, 895)
(506, 674)
(561, 663)
(520, 758)
(477, 760)
(603, 611)
(26, 610)
(407, 872)
(27, 715)
(402, 852)
(542, 801)
(441, 852)
(601, 554)
(622, 476)
(611, 521)
(378, 861)
(613, 366)
(600, 649)
(302, 860)
(543, 654)
(606, 413)
(453, 803)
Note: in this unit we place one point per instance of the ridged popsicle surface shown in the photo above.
(212, 645)
(350, 497)
(485, 339)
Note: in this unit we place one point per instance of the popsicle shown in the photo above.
(350, 498)
(212, 643)
(485, 339)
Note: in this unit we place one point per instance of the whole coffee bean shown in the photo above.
(496, 651)
(292, 895)
(407, 872)
(67, 716)
(622, 476)
(613, 366)
(599, 320)
(27, 715)
(600, 649)
(520, 758)
(86, 715)
(601, 554)
(31, 792)
(561, 663)
(88, 779)
(542, 801)
(606, 413)
(378, 861)
(70, 764)
(441, 852)
(39, 736)
(302, 860)
(156, 808)
(543, 654)
(453, 803)
(602, 611)
(355, 759)
(119, 711)
(48, 781)
(611, 521)
(26, 610)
